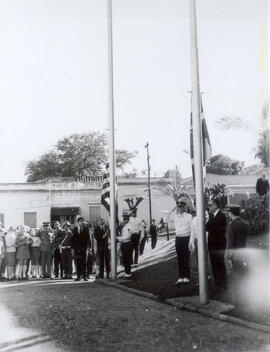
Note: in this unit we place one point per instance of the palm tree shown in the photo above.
(261, 151)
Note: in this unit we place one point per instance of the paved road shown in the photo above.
(49, 316)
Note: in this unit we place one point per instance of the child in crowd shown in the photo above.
(34, 252)
(23, 253)
(10, 239)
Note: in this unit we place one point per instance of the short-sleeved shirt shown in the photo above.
(182, 224)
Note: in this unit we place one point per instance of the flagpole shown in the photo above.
(198, 163)
(111, 144)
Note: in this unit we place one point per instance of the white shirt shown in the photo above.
(182, 224)
(36, 241)
(11, 241)
(136, 225)
(126, 233)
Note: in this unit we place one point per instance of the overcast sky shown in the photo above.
(53, 76)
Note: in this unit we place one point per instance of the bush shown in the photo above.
(256, 212)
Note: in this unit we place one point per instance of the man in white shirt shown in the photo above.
(136, 231)
(183, 227)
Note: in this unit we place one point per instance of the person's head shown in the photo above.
(21, 229)
(100, 220)
(181, 206)
(263, 176)
(153, 221)
(66, 225)
(213, 205)
(80, 221)
(11, 228)
(233, 210)
(56, 225)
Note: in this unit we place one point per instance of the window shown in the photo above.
(94, 213)
(2, 219)
(30, 219)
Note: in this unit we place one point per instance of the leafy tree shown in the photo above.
(75, 156)
(223, 165)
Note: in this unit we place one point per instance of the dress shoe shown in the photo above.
(85, 279)
(179, 281)
(78, 279)
(186, 280)
(127, 276)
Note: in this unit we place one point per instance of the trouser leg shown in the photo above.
(101, 255)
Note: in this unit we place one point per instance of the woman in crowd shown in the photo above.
(10, 239)
(34, 252)
(23, 253)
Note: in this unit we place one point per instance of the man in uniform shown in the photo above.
(57, 254)
(46, 236)
(80, 243)
(65, 249)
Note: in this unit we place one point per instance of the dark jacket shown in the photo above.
(262, 186)
(153, 230)
(216, 227)
(80, 241)
(102, 243)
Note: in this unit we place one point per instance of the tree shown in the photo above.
(75, 156)
(261, 151)
(223, 165)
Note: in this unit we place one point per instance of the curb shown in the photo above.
(188, 307)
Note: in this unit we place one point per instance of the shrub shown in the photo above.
(256, 212)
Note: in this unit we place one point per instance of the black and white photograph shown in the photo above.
(134, 178)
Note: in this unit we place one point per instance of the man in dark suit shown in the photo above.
(262, 185)
(216, 226)
(80, 243)
(101, 233)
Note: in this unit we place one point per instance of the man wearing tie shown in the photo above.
(80, 243)
(101, 233)
(216, 227)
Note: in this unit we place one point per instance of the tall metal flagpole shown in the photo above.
(198, 162)
(111, 144)
(149, 185)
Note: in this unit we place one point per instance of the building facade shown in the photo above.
(64, 199)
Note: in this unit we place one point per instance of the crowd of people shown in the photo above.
(58, 251)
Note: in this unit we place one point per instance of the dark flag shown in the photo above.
(206, 145)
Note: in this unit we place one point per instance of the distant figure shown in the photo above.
(262, 185)
(126, 246)
(65, 250)
(161, 225)
(153, 233)
(144, 238)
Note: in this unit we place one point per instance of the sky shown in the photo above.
(54, 76)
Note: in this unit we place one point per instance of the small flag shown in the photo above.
(206, 145)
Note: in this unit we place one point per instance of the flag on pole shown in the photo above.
(206, 145)
(105, 193)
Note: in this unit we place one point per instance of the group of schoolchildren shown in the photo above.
(37, 252)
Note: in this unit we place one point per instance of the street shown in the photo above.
(59, 315)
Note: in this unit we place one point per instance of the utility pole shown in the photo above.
(149, 189)
(111, 143)
(198, 159)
